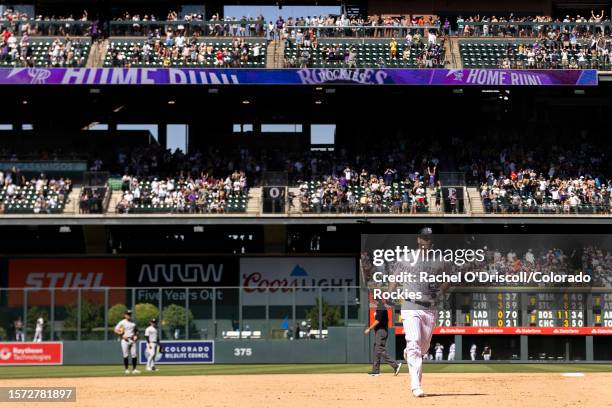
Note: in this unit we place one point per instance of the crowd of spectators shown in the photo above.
(395, 181)
(191, 23)
(522, 177)
(343, 26)
(175, 46)
(21, 23)
(65, 52)
(353, 192)
(182, 194)
(529, 191)
(425, 49)
(597, 262)
(38, 194)
(555, 53)
(324, 25)
(557, 259)
(156, 161)
(530, 26)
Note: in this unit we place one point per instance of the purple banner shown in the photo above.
(361, 76)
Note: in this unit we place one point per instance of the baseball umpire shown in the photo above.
(128, 334)
(381, 333)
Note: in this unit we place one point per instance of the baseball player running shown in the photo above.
(439, 351)
(152, 343)
(128, 333)
(451, 352)
(418, 316)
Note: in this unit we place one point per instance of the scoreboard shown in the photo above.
(523, 312)
(602, 309)
(445, 316)
(490, 309)
(557, 309)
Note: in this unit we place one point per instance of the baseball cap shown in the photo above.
(425, 231)
(128, 311)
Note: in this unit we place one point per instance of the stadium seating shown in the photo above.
(24, 200)
(387, 205)
(489, 54)
(128, 48)
(234, 203)
(372, 53)
(528, 205)
(39, 53)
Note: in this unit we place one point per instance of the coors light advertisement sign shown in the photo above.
(281, 276)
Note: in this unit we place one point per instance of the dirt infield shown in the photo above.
(494, 390)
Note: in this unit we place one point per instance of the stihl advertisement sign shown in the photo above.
(65, 274)
(47, 353)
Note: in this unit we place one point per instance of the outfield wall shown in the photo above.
(344, 345)
(348, 345)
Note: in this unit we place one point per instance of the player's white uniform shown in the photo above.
(487, 354)
(439, 352)
(451, 352)
(128, 345)
(418, 317)
(38, 332)
(151, 333)
(473, 352)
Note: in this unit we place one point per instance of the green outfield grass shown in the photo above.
(110, 371)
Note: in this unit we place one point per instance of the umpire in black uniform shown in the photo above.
(381, 333)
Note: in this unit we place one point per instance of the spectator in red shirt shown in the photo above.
(219, 58)
(6, 34)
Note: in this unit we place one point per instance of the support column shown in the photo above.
(162, 134)
(589, 348)
(458, 347)
(524, 348)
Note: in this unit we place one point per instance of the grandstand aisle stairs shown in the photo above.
(475, 201)
(254, 201)
(97, 54)
(432, 202)
(114, 200)
(72, 202)
(454, 53)
(275, 54)
(295, 205)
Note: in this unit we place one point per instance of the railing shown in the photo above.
(601, 64)
(48, 28)
(212, 28)
(259, 28)
(526, 28)
(547, 208)
(360, 31)
(291, 312)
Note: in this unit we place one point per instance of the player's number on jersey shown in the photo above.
(243, 352)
